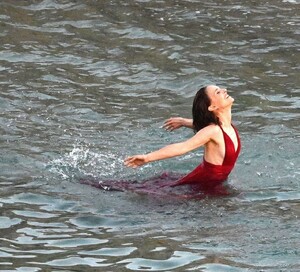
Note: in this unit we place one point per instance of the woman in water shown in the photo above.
(213, 130)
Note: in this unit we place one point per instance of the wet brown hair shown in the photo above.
(202, 117)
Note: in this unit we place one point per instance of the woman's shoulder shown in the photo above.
(215, 133)
(211, 130)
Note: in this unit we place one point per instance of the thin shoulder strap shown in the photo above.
(238, 139)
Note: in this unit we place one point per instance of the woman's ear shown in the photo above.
(212, 107)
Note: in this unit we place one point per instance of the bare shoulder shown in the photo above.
(211, 132)
(212, 129)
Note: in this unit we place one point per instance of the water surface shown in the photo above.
(86, 83)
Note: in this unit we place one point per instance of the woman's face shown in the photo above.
(219, 97)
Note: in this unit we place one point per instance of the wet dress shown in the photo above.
(209, 175)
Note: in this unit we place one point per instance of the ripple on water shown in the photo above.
(177, 260)
(33, 214)
(51, 5)
(76, 242)
(46, 202)
(140, 33)
(6, 222)
(271, 195)
(76, 261)
(212, 267)
(114, 252)
(27, 269)
(60, 243)
(94, 221)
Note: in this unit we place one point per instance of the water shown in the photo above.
(86, 83)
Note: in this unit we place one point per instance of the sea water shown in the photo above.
(86, 83)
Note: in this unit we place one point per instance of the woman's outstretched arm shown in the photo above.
(177, 122)
(173, 150)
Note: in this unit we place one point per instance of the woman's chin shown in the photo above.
(231, 99)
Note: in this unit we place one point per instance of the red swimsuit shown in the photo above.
(209, 175)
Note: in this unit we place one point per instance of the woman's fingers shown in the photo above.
(134, 161)
(169, 124)
(172, 123)
(129, 161)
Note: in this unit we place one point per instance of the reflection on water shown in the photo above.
(85, 83)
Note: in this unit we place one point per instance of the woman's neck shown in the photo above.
(225, 117)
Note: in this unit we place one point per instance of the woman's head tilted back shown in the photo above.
(202, 116)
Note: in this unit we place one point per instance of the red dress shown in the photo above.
(209, 175)
(206, 176)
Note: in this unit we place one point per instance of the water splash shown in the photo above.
(83, 161)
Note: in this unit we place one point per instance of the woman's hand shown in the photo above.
(173, 123)
(177, 122)
(136, 161)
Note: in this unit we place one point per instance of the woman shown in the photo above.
(212, 125)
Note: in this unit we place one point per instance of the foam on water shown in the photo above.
(82, 161)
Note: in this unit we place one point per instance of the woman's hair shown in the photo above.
(202, 117)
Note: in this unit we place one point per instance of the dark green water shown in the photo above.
(86, 83)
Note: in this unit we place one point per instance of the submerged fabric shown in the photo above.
(205, 177)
